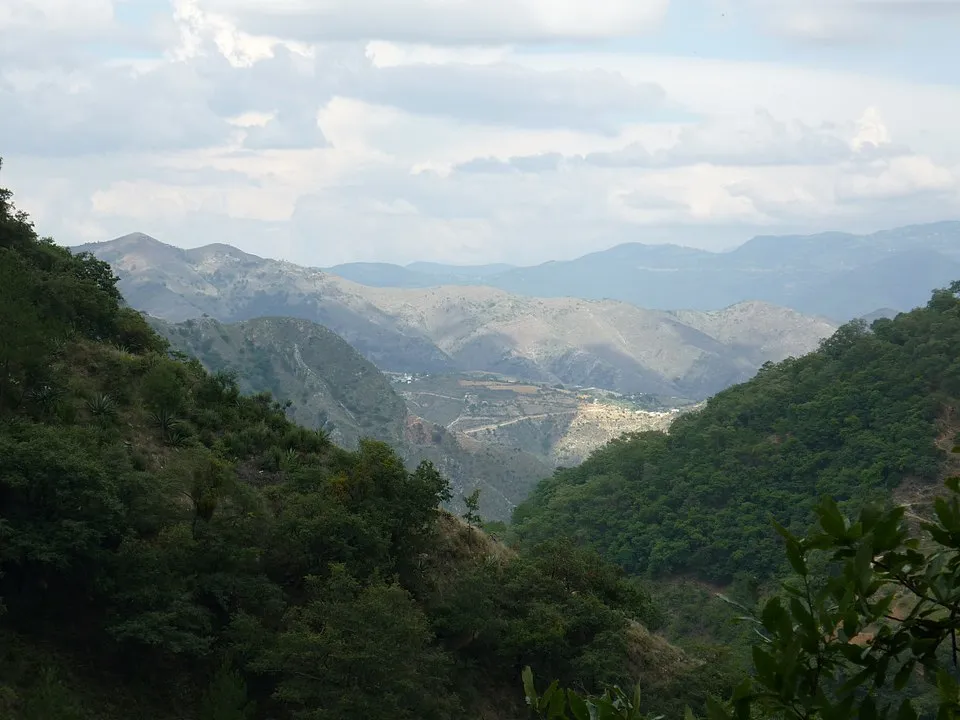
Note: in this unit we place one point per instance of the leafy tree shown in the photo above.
(472, 503)
(226, 697)
(868, 620)
(352, 651)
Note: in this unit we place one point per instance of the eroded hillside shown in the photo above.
(561, 425)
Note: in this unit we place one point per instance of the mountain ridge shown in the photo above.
(603, 343)
(797, 271)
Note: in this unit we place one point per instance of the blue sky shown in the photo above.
(327, 131)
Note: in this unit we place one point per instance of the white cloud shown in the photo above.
(834, 21)
(444, 21)
(378, 150)
(61, 17)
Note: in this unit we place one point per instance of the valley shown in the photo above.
(560, 425)
(160, 501)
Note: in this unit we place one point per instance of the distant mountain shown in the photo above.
(837, 275)
(231, 286)
(330, 385)
(388, 275)
(464, 271)
(416, 275)
(606, 344)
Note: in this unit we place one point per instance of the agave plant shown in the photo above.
(176, 436)
(101, 406)
(46, 397)
(164, 420)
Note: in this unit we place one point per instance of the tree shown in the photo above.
(226, 697)
(359, 652)
(866, 628)
(472, 502)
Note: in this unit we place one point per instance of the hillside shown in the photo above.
(329, 385)
(561, 425)
(172, 548)
(606, 344)
(873, 410)
(837, 275)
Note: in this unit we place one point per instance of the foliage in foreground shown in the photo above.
(861, 637)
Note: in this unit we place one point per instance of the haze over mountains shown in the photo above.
(837, 275)
(609, 344)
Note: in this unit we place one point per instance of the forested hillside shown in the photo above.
(871, 411)
(171, 548)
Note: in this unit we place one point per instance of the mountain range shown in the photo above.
(453, 328)
(837, 275)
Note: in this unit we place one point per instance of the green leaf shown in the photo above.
(716, 711)
(869, 516)
(765, 665)
(795, 556)
(742, 690)
(578, 706)
(775, 618)
(528, 687)
(906, 711)
(556, 701)
(902, 677)
(868, 709)
(945, 514)
(831, 520)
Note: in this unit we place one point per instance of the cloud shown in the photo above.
(109, 109)
(761, 140)
(456, 21)
(207, 127)
(286, 131)
(70, 18)
(510, 94)
(844, 21)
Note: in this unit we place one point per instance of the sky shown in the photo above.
(474, 131)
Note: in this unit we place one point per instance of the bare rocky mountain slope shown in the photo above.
(607, 344)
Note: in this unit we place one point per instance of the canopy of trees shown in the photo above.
(852, 420)
(171, 548)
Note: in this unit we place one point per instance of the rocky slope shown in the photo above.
(560, 425)
(607, 344)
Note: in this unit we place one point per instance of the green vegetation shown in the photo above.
(865, 628)
(172, 548)
(328, 384)
(853, 420)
